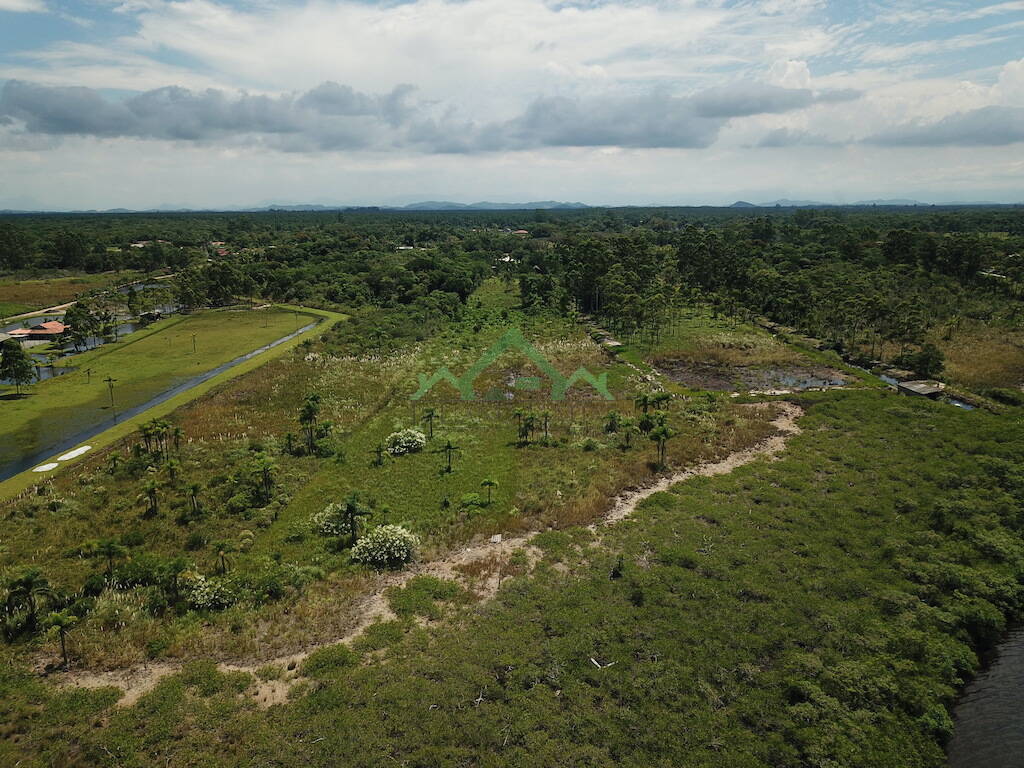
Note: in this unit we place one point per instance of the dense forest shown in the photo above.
(892, 283)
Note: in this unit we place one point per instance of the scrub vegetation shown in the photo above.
(339, 559)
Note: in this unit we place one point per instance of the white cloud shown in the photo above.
(23, 6)
(524, 79)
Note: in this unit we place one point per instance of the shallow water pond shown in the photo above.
(724, 378)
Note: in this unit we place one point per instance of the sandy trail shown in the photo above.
(488, 557)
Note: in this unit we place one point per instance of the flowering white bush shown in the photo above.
(407, 441)
(205, 593)
(386, 546)
(329, 521)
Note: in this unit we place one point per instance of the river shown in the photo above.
(989, 730)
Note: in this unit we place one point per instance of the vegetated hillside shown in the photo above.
(816, 610)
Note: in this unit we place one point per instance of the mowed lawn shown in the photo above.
(18, 296)
(145, 364)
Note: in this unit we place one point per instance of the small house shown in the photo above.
(47, 331)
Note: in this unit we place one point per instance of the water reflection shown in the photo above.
(989, 728)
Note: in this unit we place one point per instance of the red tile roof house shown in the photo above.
(49, 330)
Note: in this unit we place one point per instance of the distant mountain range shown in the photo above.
(784, 203)
(447, 205)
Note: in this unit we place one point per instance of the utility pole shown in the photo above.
(193, 343)
(110, 386)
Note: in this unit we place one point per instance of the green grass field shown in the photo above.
(143, 364)
(8, 308)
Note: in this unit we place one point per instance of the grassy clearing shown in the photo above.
(980, 358)
(8, 308)
(697, 336)
(144, 364)
(562, 481)
(18, 295)
(816, 610)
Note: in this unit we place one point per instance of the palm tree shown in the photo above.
(352, 510)
(160, 429)
(612, 422)
(658, 399)
(627, 427)
(308, 414)
(176, 434)
(173, 465)
(27, 592)
(193, 497)
(643, 402)
(661, 435)
(448, 450)
(111, 550)
(146, 430)
(223, 561)
(265, 468)
(62, 621)
(489, 484)
(545, 417)
(428, 416)
(519, 414)
(149, 494)
(527, 426)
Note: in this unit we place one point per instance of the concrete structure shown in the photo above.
(931, 389)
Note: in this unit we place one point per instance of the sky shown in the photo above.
(229, 103)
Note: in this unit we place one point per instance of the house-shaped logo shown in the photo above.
(513, 339)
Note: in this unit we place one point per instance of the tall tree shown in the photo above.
(16, 364)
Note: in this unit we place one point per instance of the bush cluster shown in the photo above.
(406, 441)
(387, 546)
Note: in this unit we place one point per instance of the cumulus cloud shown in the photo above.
(333, 116)
(986, 127)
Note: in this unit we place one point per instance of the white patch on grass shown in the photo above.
(75, 453)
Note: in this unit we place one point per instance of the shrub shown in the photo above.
(387, 546)
(407, 441)
(330, 521)
(325, 660)
(116, 610)
(206, 594)
(420, 596)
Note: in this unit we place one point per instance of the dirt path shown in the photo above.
(486, 559)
